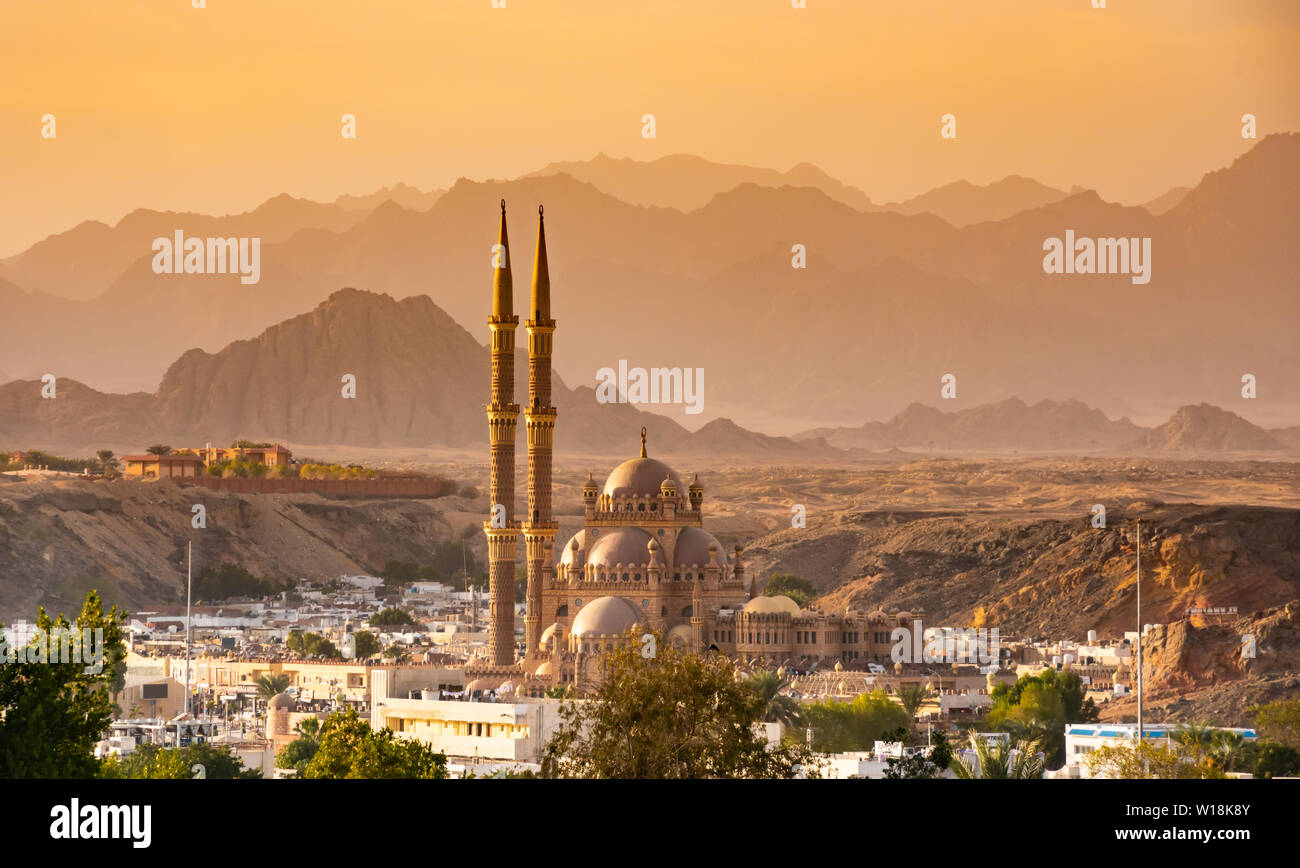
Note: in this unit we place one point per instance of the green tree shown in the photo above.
(1037, 707)
(785, 584)
(391, 617)
(1149, 760)
(847, 726)
(912, 697)
(777, 708)
(368, 644)
(151, 762)
(675, 714)
(158, 449)
(350, 749)
(1279, 721)
(312, 645)
(299, 752)
(108, 465)
(53, 714)
(940, 751)
(272, 685)
(1276, 760)
(994, 760)
(914, 767)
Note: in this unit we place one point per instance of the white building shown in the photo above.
(1082, 739)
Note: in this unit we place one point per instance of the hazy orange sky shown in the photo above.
(165, 106)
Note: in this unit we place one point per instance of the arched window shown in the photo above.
(640, 507)
(625, 577)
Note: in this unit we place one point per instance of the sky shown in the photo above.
(161, 105)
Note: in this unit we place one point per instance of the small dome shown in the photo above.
(695, 484)
(681, 634)
(877, 616)
(903, 615)
(668, 488)
(639, 477)
(544, 669)
(549, 633)
(694, 547)
(606, 616)
(282, 700)
(839, 667)
(777, 605)
(574, 552)
(624, 545)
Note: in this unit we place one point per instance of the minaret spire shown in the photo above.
(541, 274)
(539, 420)
(501, 528)
(503, 293)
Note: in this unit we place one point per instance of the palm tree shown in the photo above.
(913, 696)
(1000, 760)
(271, 685)
(1198, 738)
(158, 449)
(309, 727)
(108, 465)
(777, 707)
(1228, 748)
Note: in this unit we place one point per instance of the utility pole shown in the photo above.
(189, 575)
(1139, 626)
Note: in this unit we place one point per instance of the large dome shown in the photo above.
(606, 616)
(640, 477)
(693, 548)
(621, 546)
(778, 605)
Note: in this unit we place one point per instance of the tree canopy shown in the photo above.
(671, 714)
(786, 584)
(52, 714)
(349, 748)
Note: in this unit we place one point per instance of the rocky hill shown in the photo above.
(1044, 577)
(420, 381)
(1207, 429)
(127, 539)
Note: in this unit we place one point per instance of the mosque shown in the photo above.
(642, 558)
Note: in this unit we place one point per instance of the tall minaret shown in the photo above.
(503, 418)
(539, 419)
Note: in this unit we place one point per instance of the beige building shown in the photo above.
(181, 465)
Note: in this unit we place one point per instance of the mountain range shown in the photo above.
(887, 304)
(420, 381)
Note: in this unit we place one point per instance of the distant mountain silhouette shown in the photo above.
(687, 182)
(408, 197)
(887, 304)
(1165, 201)
(420, 382)
(85, 261)
(962, 203)
(1046, 426)
(1207, 429)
